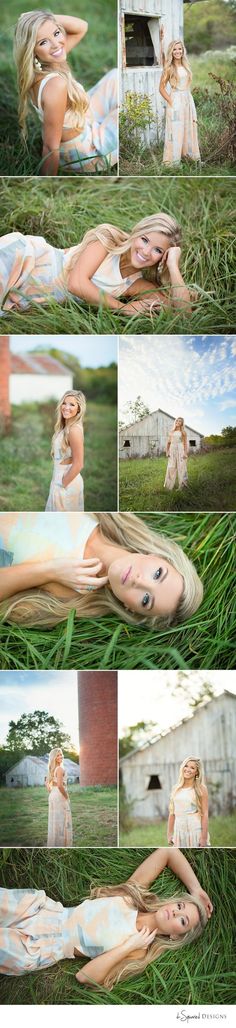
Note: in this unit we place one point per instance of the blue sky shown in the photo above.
(92, 351)
(22, 692)
(189, 376)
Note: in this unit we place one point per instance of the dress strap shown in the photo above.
(52, 75)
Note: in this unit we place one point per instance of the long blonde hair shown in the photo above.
(61, 425)
(115, 240)
(37, 608)
(182, 429)
(52, 764)
(198, 782)
(26, 32)
(169, 73)
(144, 901)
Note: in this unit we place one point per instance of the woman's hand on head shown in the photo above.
(171, 257)
(205, 899)
(80, 575)
(141, 306)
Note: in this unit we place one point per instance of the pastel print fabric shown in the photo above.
(177, 464)
(59, 816)
(96, 147)
(181, 136)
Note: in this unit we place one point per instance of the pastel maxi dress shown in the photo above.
(36, 932)
(181, 136)
(187, 826)
(34, 271)
(43, 536)
(95, 147)
(177, 463)
(59, 815)
(70, 497)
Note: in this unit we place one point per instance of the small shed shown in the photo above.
(32, 770)
(38, 377)
(149, 773)
(141, 54)
(148, 437)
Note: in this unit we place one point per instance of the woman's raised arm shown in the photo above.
(75, 29)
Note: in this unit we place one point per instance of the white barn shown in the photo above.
(149, 773)
(141, 51)
(148, 437)
(37, 377)
(31, 771)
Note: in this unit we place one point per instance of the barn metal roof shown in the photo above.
(36, 364)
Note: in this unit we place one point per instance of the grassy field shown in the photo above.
(96, 54)
(202, 973)
(222, 832)
(216, 114)
(62, 211)
(211, 484)
(24, 816)
(205, 641)
(26, 466)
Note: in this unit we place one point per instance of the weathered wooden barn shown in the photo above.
(149, 773)
(148, 437)
(31, 771)
(37, 376)
(141, 52)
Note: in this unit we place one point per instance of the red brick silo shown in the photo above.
(5, 370)
(97, 692)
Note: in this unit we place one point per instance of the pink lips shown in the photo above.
(126, 575)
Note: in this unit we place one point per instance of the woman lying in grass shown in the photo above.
(122, 928)
(95, 564)
(141, 266)
(79, 131)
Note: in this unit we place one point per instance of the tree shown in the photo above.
(195, 692)
(135, 735)
(136, 410)
(36, 733)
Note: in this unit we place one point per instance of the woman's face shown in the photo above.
(50, 43)
(59, 757)
(190, 770)
(177, 52)
(69, 407)
(177, 918)
(148, 249)
(179, 423)
(146, 584)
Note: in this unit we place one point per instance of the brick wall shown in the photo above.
(5, 367)
(97, 692)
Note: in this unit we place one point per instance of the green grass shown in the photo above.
(215, 113)
(211, 484)
(26, 466)
(24, 816)
(96, 54)
(222, 832)
(201, 973)
(63, 210)
(205, 641)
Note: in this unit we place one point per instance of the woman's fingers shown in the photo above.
(92, 583)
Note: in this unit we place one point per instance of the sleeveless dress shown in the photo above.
(187, 826)
(181, 138)
(95, 147)
(59, 815)
(33, 271)
(177, 463)
(70, 497)
(44, 536)
(36, 932)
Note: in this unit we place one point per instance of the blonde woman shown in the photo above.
(66, 489)
(122, 928)
(181, 138)
(188, 817)
(95, 564)
(177, 453)
(107, 268)
(79, 131)
(59, 812)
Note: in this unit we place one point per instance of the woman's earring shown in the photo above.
(37, 64)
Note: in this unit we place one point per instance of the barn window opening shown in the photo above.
(126, 442)
(141, 41)
(154, 782)
(192, 442)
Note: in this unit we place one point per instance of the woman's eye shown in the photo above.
(144, 239)
(57, 33)
(157, 573)
(145, 600)
(157, 249)
(183, 922)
